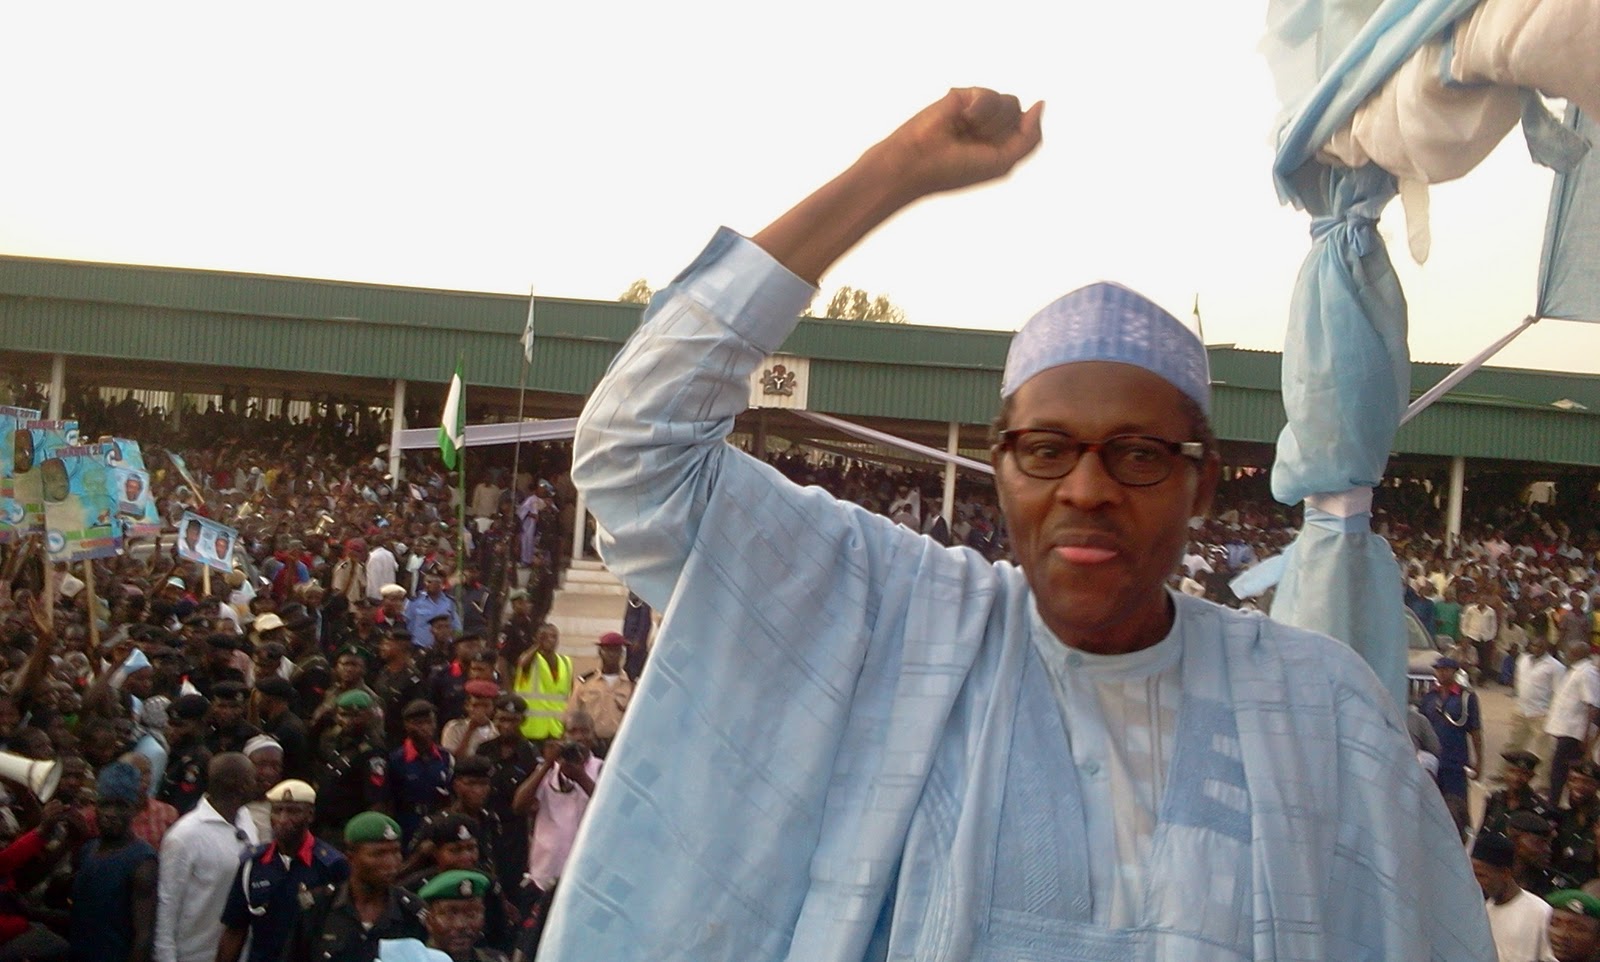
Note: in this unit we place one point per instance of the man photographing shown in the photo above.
(919, 754)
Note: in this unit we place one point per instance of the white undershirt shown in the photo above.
(1121, 717)
(1521, 928)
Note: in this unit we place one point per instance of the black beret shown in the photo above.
(275, 686)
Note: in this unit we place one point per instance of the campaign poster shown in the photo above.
(12, 513)
(77, 505)
(206, 541)
(122, 453)
(183, 472)
(11, 421)
(33, 443)
(129, 490)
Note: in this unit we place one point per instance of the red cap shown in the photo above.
(613, 640)
(482, 688)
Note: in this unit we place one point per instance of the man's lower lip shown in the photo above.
(1083, 555)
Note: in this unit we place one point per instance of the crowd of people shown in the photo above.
(361, 733)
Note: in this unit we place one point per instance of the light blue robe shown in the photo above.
(846, 746)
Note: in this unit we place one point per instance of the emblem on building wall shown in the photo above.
(779, 381)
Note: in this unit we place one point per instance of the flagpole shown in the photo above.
(516, 451)
(461, 500)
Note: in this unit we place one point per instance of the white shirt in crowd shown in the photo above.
(555, 826)
(199, 858)
(1193, 563)
(1521, 928)
(381, 570)
(1578, 692)
(1479, 623)
(1537, 678)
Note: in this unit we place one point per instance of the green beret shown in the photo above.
(455, 884)
(1573, 900)
(371, 827)
(349, 650)
(354, 698)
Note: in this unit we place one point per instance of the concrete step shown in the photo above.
(590, 603)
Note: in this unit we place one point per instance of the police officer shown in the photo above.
(351, 766)
(455, 916)
(1516, 796)
(229, 729)
(1573, 852)
(279, 880)
(1530, 838)
(512, 758)
(398, 683)
(347, 924)
(1574, 926)
(451, 841)
(419, 770)
(185, 779)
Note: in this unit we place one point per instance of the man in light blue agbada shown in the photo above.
(853, 743)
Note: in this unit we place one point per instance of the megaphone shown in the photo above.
(40, 776)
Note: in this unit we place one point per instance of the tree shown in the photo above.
(854, 304)
(639, 292)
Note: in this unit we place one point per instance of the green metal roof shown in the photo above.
(183, 317)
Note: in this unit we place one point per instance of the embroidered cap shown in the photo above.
(455, 884)
(1109, 322)
(371, 827)
(292, 790)
(1572, 900)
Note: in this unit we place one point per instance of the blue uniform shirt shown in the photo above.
(273, 886)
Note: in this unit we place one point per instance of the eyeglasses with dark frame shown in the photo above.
(1133, 460)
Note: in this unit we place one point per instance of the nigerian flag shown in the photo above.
(453, 425)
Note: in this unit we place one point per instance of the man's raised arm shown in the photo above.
(649, 444)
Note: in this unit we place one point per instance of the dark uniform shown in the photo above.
(351, 778)
(290, 732)
(396, 690)
(513, 760)
(231, 738)
(419, 784)
(272, 888)
(447, 689)
(1573, 851)
(185, 778)
(1502, 803)
(331, 931)
(1543, 881)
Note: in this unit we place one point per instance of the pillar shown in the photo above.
(952, 447)
(1452, 517)
(58, 384)
(397, 423)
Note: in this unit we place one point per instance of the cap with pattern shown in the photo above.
(1575, 901)
(292, 790)
(1109, 322)
(455, 884)
(354, 698)
(371, 827)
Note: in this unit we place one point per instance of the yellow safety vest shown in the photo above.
(546, 695)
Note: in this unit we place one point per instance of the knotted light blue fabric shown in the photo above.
(1346, 366)
(1109, 322)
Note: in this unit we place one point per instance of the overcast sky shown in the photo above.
(575, 147)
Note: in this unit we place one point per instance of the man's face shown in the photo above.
(393, 606)
(473, 791)
(376, 863)
(350, 669)
(225, 713)
(219, 547)
(1492, 879)
(267, 664)
(113, 816)
(455, 925)
(1580, 788)
(522, 607)
(457, 855)
(420, 729)
(350, 720)
(1532, 848)
(1574, 937)
(269, 768)
(390, 649)
(1517, 778)
(546, 638)
(479, 709)
(466, 649)
(191, 536)
(132, 489)
(507, 723)
(442, 632)
(1445, 677)
(610, 659)
(1118, 591)
(433, 584)
(290, 820)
